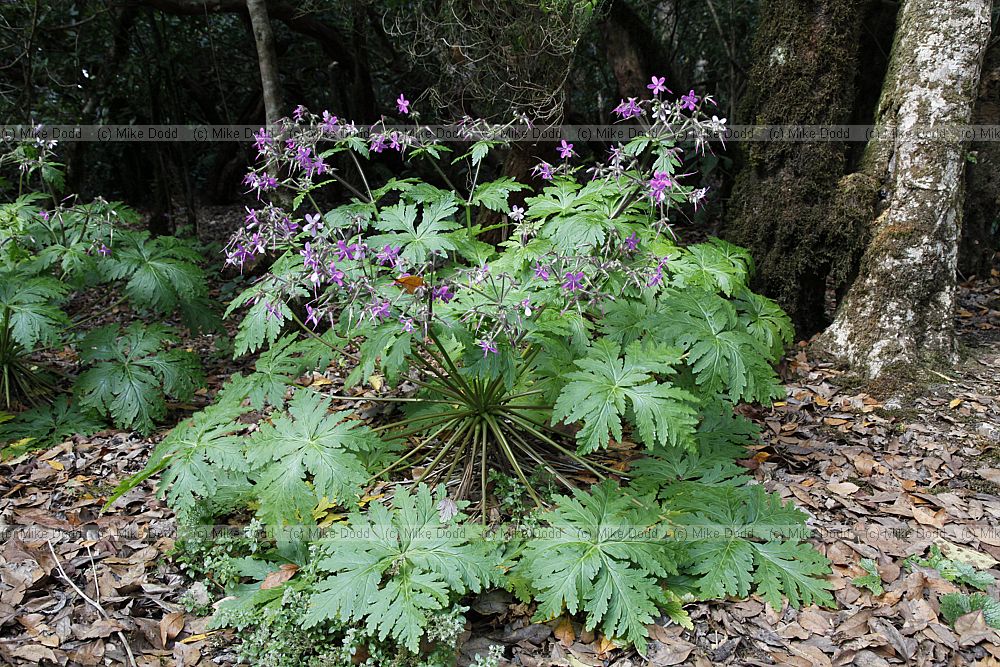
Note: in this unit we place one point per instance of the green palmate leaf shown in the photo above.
(493, 194)
(419, 242)
(745, 538)
(723, 355)
(605, 556)
(29, 303)
(284, 362)
(306, 455)
(267, 315)
(48, 425)
(954, 570)
(132, 372)
(385, 347)
(395, 566)
(162, 275)
(714, 266)
(609, 386)
(765, 321)
(201, 455)
(626, 321)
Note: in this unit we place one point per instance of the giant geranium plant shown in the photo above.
(590, 321)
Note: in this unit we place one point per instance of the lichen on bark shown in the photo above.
(899, 309)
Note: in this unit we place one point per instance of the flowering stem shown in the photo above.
(390, 399)
(413, 420)
(524, 423)
(395, 464)
(446, 359)
(444, 450)
(361, 172)
(456, 387)
(521, 444)
(509, 453)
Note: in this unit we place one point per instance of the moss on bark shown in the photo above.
(789, 205)
(980, 229)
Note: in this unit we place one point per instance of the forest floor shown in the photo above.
(885, 472)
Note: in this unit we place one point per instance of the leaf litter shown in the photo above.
(884, 473)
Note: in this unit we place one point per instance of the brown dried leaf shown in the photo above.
(171, 626)
(279, 576)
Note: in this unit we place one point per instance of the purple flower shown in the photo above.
(312, 315)
(256, 243)
(329, 122)
(632, 242)
(394, 142)
(299, 112)
(314, 226)
(407, 324)
(488, 347)
(657, 276)
(261, 141)
(403, 104)
(272, 310)
(377, 143)
(516, 214)
(309, 258)
(543, 170)
(104, 250)
(380, 311)
(526, 304)
(565, 150)
(657, 85)
(345, 251)
(239, 255)
(689, 101)
(336, 275)
(289, 227)
(388, 255)
(573, 281)
(541, 271)
(628, 109)
(443, 293)
(44, 215)
(658, 185)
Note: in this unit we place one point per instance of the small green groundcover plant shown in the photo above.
(585, 331)
(53, 248)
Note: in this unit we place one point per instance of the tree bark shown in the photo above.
(267, 59)
(980, 236)
(804, 70)
(899, 310)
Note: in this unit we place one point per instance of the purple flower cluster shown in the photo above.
(629, 109)
(658, 186)
(263, 228)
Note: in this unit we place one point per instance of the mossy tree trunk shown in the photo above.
(980, 236)
(805, 64)
(899, 309)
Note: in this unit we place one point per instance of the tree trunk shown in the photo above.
(631, 49)
(899, 309)
(267, 59)
(804, 69)
(980, 236)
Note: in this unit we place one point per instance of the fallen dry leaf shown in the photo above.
(279, 576)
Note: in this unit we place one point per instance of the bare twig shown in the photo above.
(93, 603)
